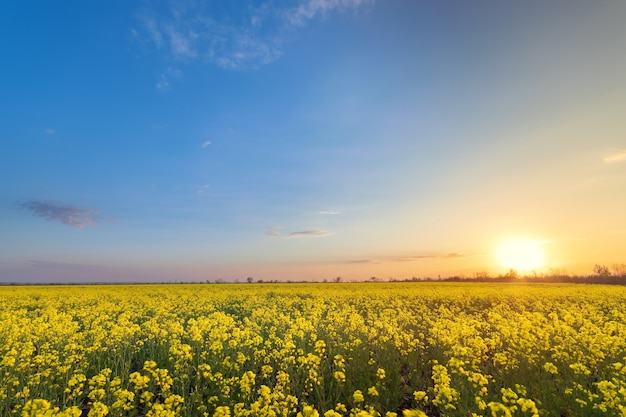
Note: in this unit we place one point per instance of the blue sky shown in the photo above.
(192, 140)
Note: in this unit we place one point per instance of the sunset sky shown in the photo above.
(308, 139)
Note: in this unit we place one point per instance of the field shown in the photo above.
(410, 349)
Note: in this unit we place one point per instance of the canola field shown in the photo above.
(313, 350)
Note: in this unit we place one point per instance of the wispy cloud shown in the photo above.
(276, 231)
(61, 212)
(203, 189)
(206, 144)
(414, 258)
(449, 255)
(309, 233)
(328, 212)
(273, 230)
(311, 9)
(619, 156)
(163, 83)
(361, 261)
(252, 37)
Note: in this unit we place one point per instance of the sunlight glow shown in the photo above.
(521, 254)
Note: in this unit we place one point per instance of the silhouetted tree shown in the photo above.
(512, 274)
(619, 270)
(601, 270)
(481, 275)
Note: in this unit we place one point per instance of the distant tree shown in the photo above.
(512, 274)
(249, 279)
(338, 279)
(481, 275)
(601, 270)
(557, 272)
(619, 270)
(259, 281)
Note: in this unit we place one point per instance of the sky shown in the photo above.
(308, 139)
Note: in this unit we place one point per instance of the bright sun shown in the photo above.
(521, 254)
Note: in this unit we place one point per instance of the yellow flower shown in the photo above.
(308, 411)
(98, 409)
(414, 413)
(222, 411)
(36, 408)
(550, 367)
(420, 396)
(339, 376)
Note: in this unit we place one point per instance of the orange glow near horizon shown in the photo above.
(521, 254)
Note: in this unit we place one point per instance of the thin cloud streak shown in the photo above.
(616, 157)
(449, 255)
(384, 259)
(206, 144)
(64, 213)
(275, 231)
(361, 261)
(309, 233)
(328, 212)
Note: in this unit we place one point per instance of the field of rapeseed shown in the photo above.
(254, 350)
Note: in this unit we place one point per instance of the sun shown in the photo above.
(521, 254)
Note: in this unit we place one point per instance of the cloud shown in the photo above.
(454, 255)
(309, 233)
(163, 83)
(249, 38)
(449, 255)
(311, 9)
(203, 189)
(275, 231)
(328, 212)
(61, 212)
(619, 156)
(361, 261)
(386, 259)
(49, 131)
(206, 144)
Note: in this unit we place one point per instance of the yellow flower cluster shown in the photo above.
(334, 350)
